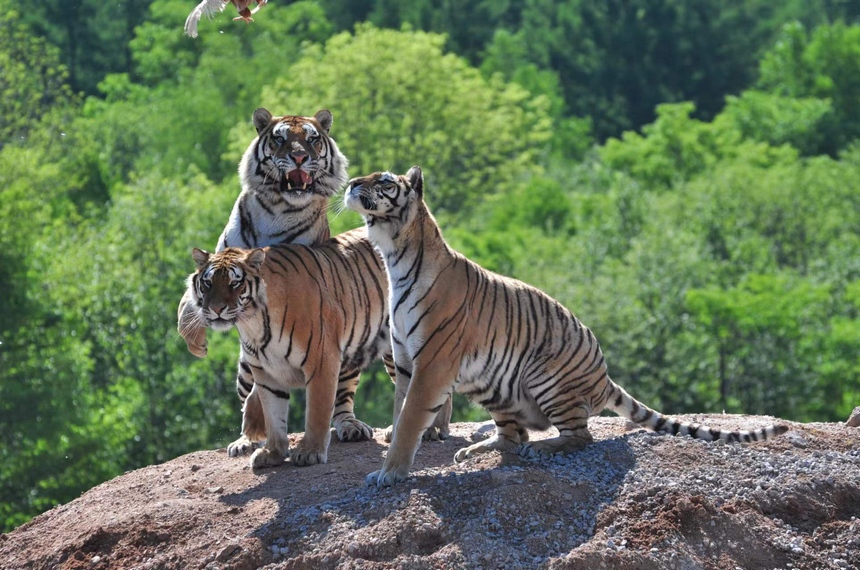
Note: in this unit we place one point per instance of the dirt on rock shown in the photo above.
(632, 500)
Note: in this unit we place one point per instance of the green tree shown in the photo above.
(571, 136)
(32, 79)
(191, 92)
(677, 147)
(804, 123)
(473, 136)
(761, 342)
(92, 35)
(823, 65)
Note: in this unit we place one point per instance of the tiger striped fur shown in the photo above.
(288, 173)
(504, 344)
(308, 317)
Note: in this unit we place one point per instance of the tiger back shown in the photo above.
(308, 317)
(504, 344)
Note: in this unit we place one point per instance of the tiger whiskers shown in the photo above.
(193, 322)
(337, 207)
(266, 178)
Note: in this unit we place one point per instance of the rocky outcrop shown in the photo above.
(632, 500)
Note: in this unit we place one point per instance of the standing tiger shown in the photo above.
(308, 317)
(502, 343)
(288, 173)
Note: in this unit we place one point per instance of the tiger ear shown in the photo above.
(255, 258)
(201, 257)
(262, 118)
(325, 119)
(416, 180)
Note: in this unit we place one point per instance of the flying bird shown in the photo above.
(211, 7)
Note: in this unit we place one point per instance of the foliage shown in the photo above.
(714, 250)
(92, 35)
(803, 123)
(471, 135)
(32, 79)
(676, 147)
(825, 65)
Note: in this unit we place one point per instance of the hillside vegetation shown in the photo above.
(684, 176)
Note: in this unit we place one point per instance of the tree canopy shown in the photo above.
(681, 175)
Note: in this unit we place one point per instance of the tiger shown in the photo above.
(288, 174)
(308, 317)
(502, 343)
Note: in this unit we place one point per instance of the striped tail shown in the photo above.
(622, 403)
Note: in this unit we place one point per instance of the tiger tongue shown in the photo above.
(298, 178)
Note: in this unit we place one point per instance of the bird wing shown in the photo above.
(208, 7)
(260, 4)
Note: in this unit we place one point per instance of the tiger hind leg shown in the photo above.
(347, 426)
(573, 434)
(508, 434)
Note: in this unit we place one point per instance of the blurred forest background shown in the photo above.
(683, 175)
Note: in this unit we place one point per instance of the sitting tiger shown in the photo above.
(308, 317)
(502, 343)
(288, 173)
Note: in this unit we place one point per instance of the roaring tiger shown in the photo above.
(288, 173)
(504, 344)
(308, 317)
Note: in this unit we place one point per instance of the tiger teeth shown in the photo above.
(305, 186)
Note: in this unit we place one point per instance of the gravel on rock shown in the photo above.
(631, 500)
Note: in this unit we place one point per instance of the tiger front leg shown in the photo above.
(508, 435)
(253, 425)
(427, 393)
(401, 378)
(313, 448)
(275, 403)
(440, 429)
(399, 367)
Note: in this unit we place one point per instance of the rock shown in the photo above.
(629, 500)
(854, 420)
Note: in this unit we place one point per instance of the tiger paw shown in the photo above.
(546, 448)
(384, 478)
(435, 434)
(494, 443)
(301, 457)
(529, 451)
(264, 457)
(462, 455)
(388, 434)
(354, 430)
(242, 446)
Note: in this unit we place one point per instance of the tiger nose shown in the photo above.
(299, 157)
(217, 308)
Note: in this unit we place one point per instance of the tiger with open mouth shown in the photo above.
(288, 174)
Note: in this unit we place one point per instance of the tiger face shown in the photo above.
(227, 285)
(293, 154)
(385, 197)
